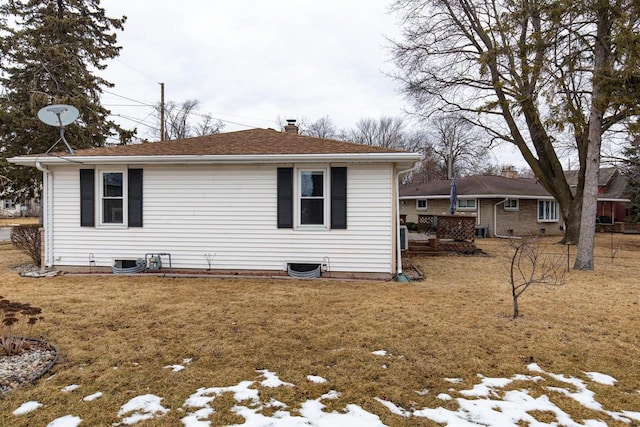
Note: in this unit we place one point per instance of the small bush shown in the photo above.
(412, 226)
(26, 238)
(16, 322)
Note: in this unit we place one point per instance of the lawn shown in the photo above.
(339, 352)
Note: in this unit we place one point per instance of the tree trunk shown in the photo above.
(584, 255)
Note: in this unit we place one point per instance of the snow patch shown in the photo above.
(92, 397)
(175, 368)
(140, 408)
(27, 407)
(66, 421)
(271, 380)
(316, 379)
(70, 388)
(379, 353)
(601, 378)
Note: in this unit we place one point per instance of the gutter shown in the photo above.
(47, 211)
(495, 222)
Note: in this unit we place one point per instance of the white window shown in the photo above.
(112, 196)
(312, 197)
(8, 204)
(421, 204)
(547, 211)
(467, 204)
(511, 205)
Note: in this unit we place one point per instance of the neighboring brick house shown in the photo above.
(612, 200)
(504, 205)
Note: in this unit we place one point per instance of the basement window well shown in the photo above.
(304, 271)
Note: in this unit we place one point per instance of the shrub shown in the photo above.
(26, 238)
(16, 322)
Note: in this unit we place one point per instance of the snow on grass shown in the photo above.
(316, 379)
(66, 421)
(27, 407)
(272, 380)
(491, 401)
(601, 378)
(379, 353)
(393, 408)
(70, 388)
(174, 368)
(141, 408)
(92, 397)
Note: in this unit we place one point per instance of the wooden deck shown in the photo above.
(435, 246)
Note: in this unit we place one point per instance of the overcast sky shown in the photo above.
(250, 62)
(253, 61)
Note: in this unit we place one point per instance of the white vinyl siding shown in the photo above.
(229, 211)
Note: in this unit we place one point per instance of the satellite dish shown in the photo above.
(59, 115)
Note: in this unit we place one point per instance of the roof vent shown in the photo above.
(291, 127)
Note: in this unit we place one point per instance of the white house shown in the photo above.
(248, 201)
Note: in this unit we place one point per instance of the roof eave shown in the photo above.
(407, 159)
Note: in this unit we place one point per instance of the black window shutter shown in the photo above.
(87, 198)
(135, 197)
(339, 198)
(285, 197)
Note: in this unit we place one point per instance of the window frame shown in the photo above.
(512, 208)
(421, 208)
(555, 211)
(102, 197)
(326, 197)
(467, 208)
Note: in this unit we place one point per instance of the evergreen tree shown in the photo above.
(50, 52)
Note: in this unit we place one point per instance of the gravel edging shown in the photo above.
(28, 366)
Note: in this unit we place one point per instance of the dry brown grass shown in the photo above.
(456, 323)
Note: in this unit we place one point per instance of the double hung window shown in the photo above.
(312, 197)
(112, 198)
(547, 211)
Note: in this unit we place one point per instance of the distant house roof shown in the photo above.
(484, 186)
(254, 143)
(611, 183)
(479, 186)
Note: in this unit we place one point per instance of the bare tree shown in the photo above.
(385, 132)
(533, 73)
(321, 128)
(458, 143)
(183, 120)
(530, 265)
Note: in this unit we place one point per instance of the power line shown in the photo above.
(136, 70)
(129, 99)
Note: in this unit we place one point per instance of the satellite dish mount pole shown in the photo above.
(57, 111)
(59, 115)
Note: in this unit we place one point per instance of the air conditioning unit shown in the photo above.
(403, 235)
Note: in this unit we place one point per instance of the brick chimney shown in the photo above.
(508, 171)
(291, 127)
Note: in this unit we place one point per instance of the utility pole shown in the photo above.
(161, 111)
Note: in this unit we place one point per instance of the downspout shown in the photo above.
(495, 222)
(399, 272)
(47, 222)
